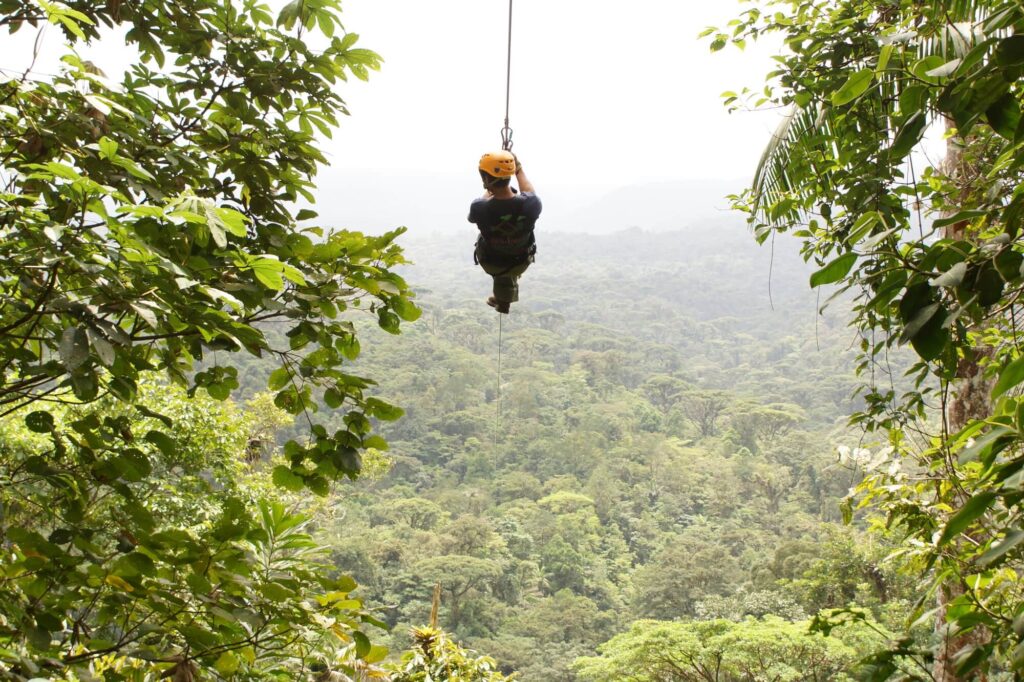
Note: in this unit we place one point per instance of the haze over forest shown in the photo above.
(374, 200)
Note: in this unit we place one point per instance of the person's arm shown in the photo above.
(473, 209)
(524, 182)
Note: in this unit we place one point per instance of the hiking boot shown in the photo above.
(500, 306)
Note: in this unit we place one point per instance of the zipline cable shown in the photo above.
(506, 132)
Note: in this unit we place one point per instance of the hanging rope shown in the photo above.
(506, 132)
(497, 410)
(506, 144)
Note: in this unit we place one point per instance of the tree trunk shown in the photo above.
(970, 401)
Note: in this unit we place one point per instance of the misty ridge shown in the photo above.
(439, 202)
(671, 238)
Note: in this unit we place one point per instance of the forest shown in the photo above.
(654, 460)
(781, 443)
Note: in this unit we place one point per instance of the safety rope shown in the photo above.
(497, 410)
(506, 144)
(506, 132)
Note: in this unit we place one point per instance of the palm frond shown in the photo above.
(772, 179)
(952, 28)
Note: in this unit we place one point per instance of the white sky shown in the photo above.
(617, 93)
(604, 95)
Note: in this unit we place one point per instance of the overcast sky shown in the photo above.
(623, 92)
(605, 95)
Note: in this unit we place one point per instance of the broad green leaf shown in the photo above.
(959, 217)
(968, 514)
(119, 583)
(163, 442)
(382, 410)
(944, 70)
(287, 479)
(388, 321)
(319, 486)
(1004, 116)
(104, 350)
(74, 347)
(132, 465)
(931, 339)
(333, 398)
(71, 25)
(863, 226)
(834, 271)
(227, 664)
(232, 221)
(855, 86)
(1010, 51)
(987, 445)
(909, 134)
(406, 309)
(268, 272)
(1001, 548)
(1011, 375)
(39, 422)
(921, 68)
(276, 592)
(363, 646)
(884, 55)
(107, 147)
(919, 321)
(951, 278)
(279, 378)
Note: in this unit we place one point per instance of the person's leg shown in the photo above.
(506, 283)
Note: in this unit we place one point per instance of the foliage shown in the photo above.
(723, 651)
(150, 224)
(869, 87)
(741, 604)
(596, 501)
(163, 556)
(435, 656)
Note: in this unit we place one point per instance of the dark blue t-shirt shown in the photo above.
(506, 225)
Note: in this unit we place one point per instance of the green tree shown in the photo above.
(434, 655)
(684, 571)
(150, 224)
(931, 256)
(460, 577)
(166, 556)
(724, 651)
(704, 408)
(563, 617)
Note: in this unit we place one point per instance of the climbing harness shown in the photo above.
(507, 131)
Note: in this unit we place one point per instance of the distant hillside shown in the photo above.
(712, 267)
(429, 202)
(656, 207)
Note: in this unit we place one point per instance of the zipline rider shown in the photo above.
(506, 219)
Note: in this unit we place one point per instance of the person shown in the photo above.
(505, 218)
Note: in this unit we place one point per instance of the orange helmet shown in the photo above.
(498, 164)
